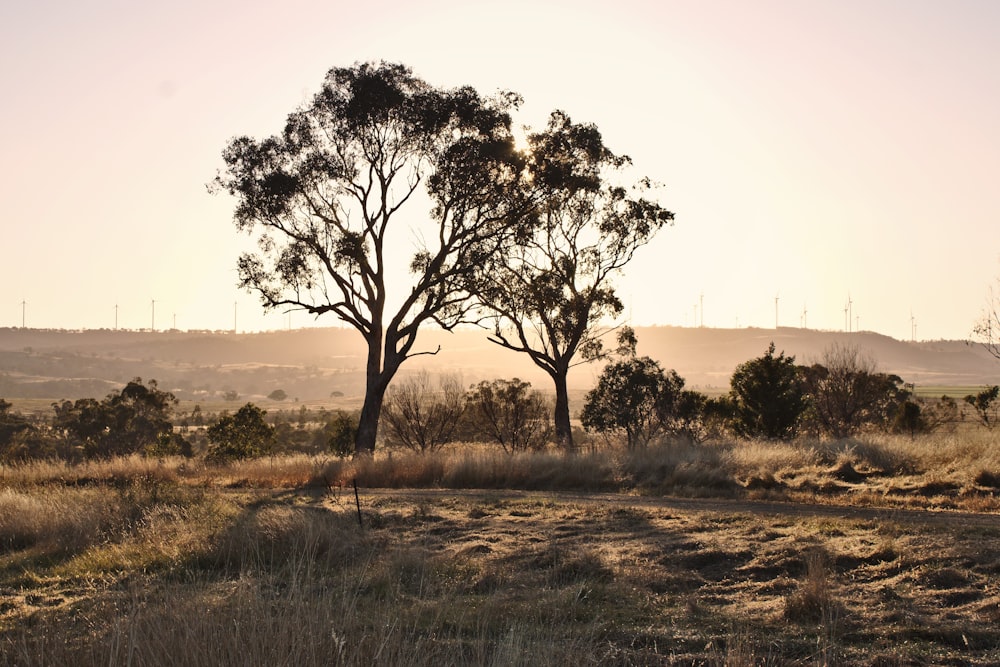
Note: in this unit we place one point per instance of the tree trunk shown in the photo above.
(376, 381)
(564, 431)
(364, 443)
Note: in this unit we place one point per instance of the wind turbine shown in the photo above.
(775, 311)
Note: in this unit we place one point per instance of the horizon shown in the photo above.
(819, 158)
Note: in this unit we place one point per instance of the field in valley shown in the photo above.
(867, 552)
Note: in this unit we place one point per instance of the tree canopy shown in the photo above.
(323, 198)
(549, 295)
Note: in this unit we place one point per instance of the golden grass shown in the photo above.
(954, 470)
(222, 577)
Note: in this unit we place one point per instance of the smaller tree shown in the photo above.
(338, 433)
(987, 328)
(846, 394)
(241, 436)
(635, 397)
(10, 423)
(767, 396)
(420, 419)
(509, 413)
(278, 395)
(985, 405)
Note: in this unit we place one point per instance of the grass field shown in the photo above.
(263, 563)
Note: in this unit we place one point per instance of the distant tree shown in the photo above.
(510, 413)
(637, 398)
(986, 406)
(278, 395)
(123, 423)
(338, 433)
(549, 297)
(419, 418)
(909, 419)
(767, 396)
(11, 423)
(940, 413)
(243, 435)
(230, 395)
(322, 197)
(987, 329)
(846, 394)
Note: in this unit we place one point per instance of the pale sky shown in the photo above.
(813, 150)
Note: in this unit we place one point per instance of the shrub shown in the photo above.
(985, 405)
(847, 395)
(635, 397)
(767, 396)
(509, 413)
(417, 418)
(125, 422)
(241, 436)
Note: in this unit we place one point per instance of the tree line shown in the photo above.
(634, 403)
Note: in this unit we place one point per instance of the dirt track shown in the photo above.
(756, 507)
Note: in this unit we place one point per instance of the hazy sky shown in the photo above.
(811, 150)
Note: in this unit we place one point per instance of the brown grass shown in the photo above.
(219, 577)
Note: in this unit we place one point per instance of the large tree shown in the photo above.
(326, 198)
(552, 296)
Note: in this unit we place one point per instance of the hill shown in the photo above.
(311, 364)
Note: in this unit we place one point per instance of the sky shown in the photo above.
(819, 155)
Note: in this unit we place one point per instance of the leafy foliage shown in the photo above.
(767, 396)
(123, 423)
(548, 296)
(636, 397)
(509, 413)
(242, 435)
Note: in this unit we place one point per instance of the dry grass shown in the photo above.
(957, 470)
(222, 577)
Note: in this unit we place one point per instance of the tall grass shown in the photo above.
(967, 460)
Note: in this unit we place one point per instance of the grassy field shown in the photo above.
(264, 563)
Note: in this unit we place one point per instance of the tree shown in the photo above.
(338, 433)
(10, 423)
(985, 405)
(987, 328)
(243, 435)
(767, 396)
(278, 395)
(125, 422)
(510, 413)
(846, 394)
(548, 297)
(636, 397)
(419, 418)
(322, 198)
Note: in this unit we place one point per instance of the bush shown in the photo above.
(635, 397)
(847, 395)
(509, 413)
(985, 405)
(241, 436)
(767, 397)
(125, 422)
(418, 418)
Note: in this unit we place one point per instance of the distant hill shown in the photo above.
(310, 364)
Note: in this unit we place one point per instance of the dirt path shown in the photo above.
(719, 505)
